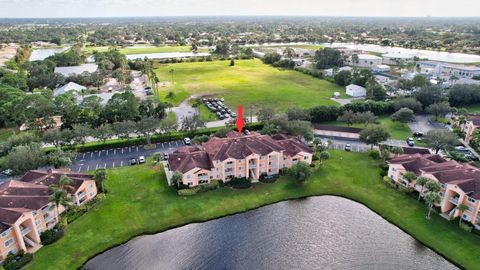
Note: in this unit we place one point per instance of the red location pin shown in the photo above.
(240, 122)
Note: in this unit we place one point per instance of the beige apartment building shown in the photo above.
(249, 156)
(460, 183)
(25, 211)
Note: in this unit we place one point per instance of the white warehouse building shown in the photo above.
(366, 61)
(354, 90)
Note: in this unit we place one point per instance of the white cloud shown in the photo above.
(90, 8)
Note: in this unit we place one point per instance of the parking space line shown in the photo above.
(113, 164)
(107, 152)
(137, 148)
(88, 168)
(99, 152)
(121, 163)
(105, 166)
(122, 150)
(91, 155)
(176, 143)
(79, 168)
(83, 156)
(96, 166)
(130, 149)
(169, 144)
(115, 151)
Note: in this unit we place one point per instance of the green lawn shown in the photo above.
(140, 50)
(249, 82)
(397, 130)
(140, 202)
(473, 108)
(304, 46)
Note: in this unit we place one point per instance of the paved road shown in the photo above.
(118, 157)
(357, 146)
(422, 124)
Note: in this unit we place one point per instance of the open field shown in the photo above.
(249, 82)
(139, 202)
(473, 108)
(397, 130)
(141, 50)
(5, 134)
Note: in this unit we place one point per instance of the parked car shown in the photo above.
(7, 172)
(461, 148)
(187, 141)
(132, 161)
(141, 159)
(348, 147)
(165, 156)
(222, 100)
(247, 132)
(470, 156)
(410, 142)
(418, 134)
(234, 115)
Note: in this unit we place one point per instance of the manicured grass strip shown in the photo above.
(249, 82)
(141, 50)
(140, 202)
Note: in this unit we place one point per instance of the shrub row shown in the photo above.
(14, 262)
(51, 236)
(214, 184)
(240, 183)
(73, 213)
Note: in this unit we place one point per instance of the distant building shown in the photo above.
(71, 86)
(380, 69)
(366, 61)
(76, 70)
(105, 97)
(447, 70)
(354, 90)
(332, 71)
(395, 59)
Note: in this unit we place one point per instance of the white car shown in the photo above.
(141, 159)
(187, 141)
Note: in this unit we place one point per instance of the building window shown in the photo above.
(469, 209)
(189, 176)
(13, 251)
(90, 186)
(8, 242)
(443, 186)
(6, 232)
(37, 222)
(472, 200)
(240, 168)
(305, 158)
(35, 212)
(242, 160)
(262, 157)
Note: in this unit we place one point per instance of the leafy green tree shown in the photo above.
(81, 132)
(103, 132)
(438, 139)
(122, 107)
(403, 115)
(432, 186)
(374, 134)
(59, 197)
(265, 114)
(271, 57)
(147, 126)
(168, 125)
(123, 129)
(348, 117)
(192, 123)
(439, 109)
(176, 178)
(300, 171)
(60, 158)
(409, 176)
(343, 78)
(328, 58)
(432, 198)
(324, 155)
(25, 157)
(428, 95)
(407, 102)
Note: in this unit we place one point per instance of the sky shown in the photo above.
(127, 8)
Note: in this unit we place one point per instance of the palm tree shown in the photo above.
(100, 177)
(64, 183)
(461, 208)
(432, 198)
(421, 181)
(60, 197)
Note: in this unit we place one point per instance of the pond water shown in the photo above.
(41, 54)
(315, 233)
(165, 55)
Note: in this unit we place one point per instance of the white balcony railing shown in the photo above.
(453, 200)
(229, 165)
(203, 177)
(25, 230)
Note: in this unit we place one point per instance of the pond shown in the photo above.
(165, 55)
(41, 54)
(315, 233)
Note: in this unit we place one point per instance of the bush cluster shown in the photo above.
(240, 183)
(51, 236)
(14, 262)
(214, 184)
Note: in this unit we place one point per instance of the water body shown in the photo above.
(41, 54)
(165, 55)
(316, 233)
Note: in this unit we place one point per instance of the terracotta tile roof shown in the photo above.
(186, 158)
(30, 193)
(415, 150)
(475, 119)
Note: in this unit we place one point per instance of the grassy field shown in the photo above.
(473, 108)
(139, 202)
(141, 50)
(397, 130)
(249, 82)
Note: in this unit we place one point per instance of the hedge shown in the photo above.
(14, 262)
(51, 236)
(214, 184)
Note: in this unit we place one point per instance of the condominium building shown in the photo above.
(249, 156)
(460, 183)
(25, 210)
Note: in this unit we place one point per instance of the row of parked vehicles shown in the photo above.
(217, 106)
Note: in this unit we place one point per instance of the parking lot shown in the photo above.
(119, 157)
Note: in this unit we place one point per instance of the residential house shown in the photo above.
(354, 90)
(76, 70)
(71, 86)
(366, 61)
(236, 156)
(25, 209)
(380, 69)
(460, 183)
